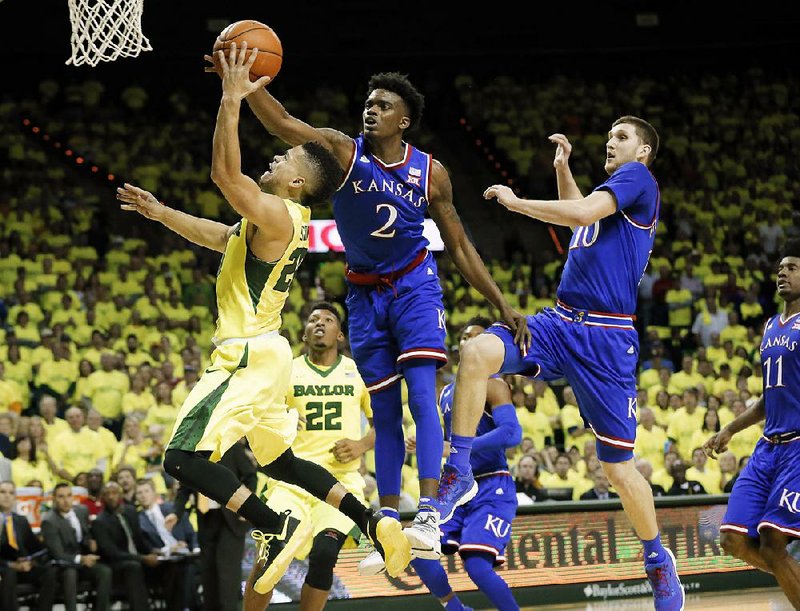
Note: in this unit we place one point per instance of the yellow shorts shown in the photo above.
(281, 496)
(241, 394)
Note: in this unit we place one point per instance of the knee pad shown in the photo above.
(173, 460)
(322, 559)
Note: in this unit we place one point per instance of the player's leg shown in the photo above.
(739, 535)
(385, 532)
(480, 568)
(435, 579)
(605, 388)
(781, 520)
(321, 562)
(390, 451)
(780, 562)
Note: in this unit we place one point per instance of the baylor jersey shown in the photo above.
(251, 292)
(331, 401)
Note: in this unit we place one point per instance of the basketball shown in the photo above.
(257, 36)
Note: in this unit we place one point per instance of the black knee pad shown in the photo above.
(322, 559)
(173, 460)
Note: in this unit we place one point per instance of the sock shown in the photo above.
(420, 377)
(259, 515)
(390, 449)
(454, 604)
(480, 568)
(219, 483)
(460, 448)
(433, 576)
(654, 552)
(353, 509)
(391, 512)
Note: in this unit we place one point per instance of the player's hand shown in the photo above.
(301, 422)
(718, 443)
(346, 450)
(236, 72)
(150, 560)
(138, 200)
(518, 322)
(89, 560)
(505, 196)
(411, 444)
(213, 65)
(170, 521)
(563, 150)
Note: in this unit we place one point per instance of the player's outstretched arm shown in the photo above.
(202, 232)
(567, 187)
(719, 442)
(569, 213)
(463, 253)
(268, 212)
(293, 131)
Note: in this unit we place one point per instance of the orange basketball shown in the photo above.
(258, 36)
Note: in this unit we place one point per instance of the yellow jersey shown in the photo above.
(331, 401)
(251, 292)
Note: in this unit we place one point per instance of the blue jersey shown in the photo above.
(485, 461)
(380, 209)
(780, 367)
(606, 260)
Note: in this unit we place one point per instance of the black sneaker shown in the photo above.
(389, 540)
(274, 551)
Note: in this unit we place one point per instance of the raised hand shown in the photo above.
(563, 150)
(138, 200)
(236, 72)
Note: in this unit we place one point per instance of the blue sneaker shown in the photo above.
(668, 594)
(456, 488)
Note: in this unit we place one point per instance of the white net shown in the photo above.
(104, 30)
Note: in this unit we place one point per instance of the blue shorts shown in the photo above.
(767, 492)
(597, 354)
(392, 325)
(483, 524)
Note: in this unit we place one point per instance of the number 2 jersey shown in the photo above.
(607, 260)
(780, 367)
(331, 401)
(251, 292)
(380, 209)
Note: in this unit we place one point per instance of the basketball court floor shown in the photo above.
(763, 599)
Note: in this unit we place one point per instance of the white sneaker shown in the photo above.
(373, 564)
(424, 536)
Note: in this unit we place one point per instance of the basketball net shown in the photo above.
(104, 30)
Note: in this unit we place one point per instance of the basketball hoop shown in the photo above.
(104, 30)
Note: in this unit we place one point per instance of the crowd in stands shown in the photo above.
(104, 333)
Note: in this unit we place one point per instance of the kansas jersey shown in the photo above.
(606, 260)
(331, 401)
(485, 461)
(780, 366)
(251, 292)
(380, 209)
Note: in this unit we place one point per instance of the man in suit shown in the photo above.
(600, 489)
(120, 544)
(22, 556)
(178, 576)
(221, 534)
(68, 538)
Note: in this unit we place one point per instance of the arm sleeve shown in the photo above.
(507, 433)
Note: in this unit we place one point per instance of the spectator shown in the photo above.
(125, 476)
(106, 441)
(29, 465)
(120, 544)
(94, 484)
(48, 408)
(651, 440)
(713, 320)
(600, 489)
(727, 469)
(699, 472)
(134, 449)
(21, 556)
(76, 449)
(562, 476)
(680, 485)
(646, 469)
(7, 435)
(529, 489)
(179, 540)
(68, 538)
(741, 465)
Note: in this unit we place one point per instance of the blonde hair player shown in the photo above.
(242, 393)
